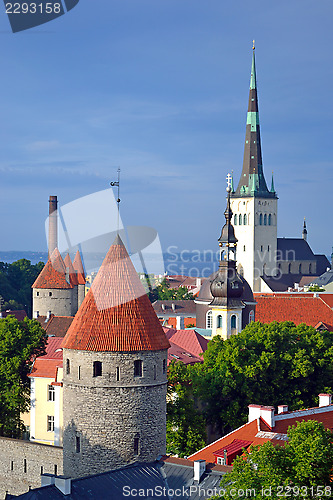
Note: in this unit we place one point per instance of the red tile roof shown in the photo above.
(19, 314)
(78, 266)
(116, 314)
(189, 340)
(297, 308)
(73, 278)
(58, 325)
(53, 348)
(177, 353)
(45, 368)
(53, 274)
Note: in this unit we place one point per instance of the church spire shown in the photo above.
(304, 232)
(252, 181)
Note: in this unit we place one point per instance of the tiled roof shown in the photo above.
(53, 348)
(72, 274)
(324, 415)
(299, 309)
(233, 447)
(177, 353)
(78, 266)
(53, 274)
(19, 315)
(189, 340)
(116, 314)
(58, 325)
(46, 368)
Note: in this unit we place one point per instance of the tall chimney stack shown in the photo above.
(53, 224)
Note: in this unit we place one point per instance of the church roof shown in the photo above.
(116, 314)
(78, 266)
(53, 274)
(252, 181)
(294, 249)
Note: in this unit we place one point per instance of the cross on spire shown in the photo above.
(229, 180)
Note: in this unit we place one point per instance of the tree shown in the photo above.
(268, 364)
(316, 288)
(20, 343)
(164, 292)
(300, 469)
(186, 432)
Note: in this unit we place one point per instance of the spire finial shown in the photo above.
(253, 44)
(117, 183)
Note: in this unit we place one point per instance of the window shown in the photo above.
(265, 220)
(267, 248)
(25, 466)
(12, 465)
(155, 372)
(235, 222)
(97, 369)
(50, 393)
(244, 248)
(289, 268)
(310, 269)
(138, 368)
(37, 294)
(55, 469)
(261, 248)
(41, 470)
(240, 219)
(50, 423)
(136, 445)
(300, 269)
(209, 320)
(220, 461)
(260, 219)
(50, 294)
(117, 373)
(233, 321)
(219, 321)
(270, 219)
(245, 219)
(68, 366)
(79, 372)
(164, 365)
(251, 316)
(77, 444)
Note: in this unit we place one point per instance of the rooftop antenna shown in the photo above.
(117, 184)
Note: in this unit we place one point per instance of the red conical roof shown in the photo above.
(53, 274)
(78, 266)
(72, 274)
(116, 314)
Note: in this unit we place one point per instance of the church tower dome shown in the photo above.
(115, 374)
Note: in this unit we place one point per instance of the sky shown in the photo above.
(160, 88)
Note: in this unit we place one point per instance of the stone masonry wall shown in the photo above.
(60, 303)
(22, 462)
(105, 417)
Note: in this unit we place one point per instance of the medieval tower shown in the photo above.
(115, 374)
(253, 204)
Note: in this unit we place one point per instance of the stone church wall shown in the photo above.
(22, 462)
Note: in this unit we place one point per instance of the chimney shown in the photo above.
(64, 484)
(173, 306)
(48, 315)
(282, 409)
(198, 283)
(36, 314)
(47, 479)
(325, 400)
(180, 322)
(267, 413)
(53, 224)
(254, 412)
(199, 467)
(163, 307)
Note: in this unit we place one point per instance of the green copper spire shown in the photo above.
(252, 181)
(272, 184)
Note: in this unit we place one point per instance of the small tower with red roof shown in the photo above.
(115, 374)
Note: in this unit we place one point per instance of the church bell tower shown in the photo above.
(254, 205)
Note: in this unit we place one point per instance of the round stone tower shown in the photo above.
(115, 377)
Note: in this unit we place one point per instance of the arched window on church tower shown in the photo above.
(289, 268)
(219, 321)
(270, 219)
(310, 269)
(209, 320)
(260, 219)
(245, 219)
(300, 269)
(235, 219)
(233, 323)
(265, 220)
(240, 219)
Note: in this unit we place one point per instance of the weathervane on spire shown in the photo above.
(229, 182)
(117, 184)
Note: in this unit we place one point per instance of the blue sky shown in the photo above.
(160, 88)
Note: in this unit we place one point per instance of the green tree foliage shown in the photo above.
(316, 288)
(185, 425)
(300, 469)
(20, 343)
(15, 283)
(267, 364)
(164, 292)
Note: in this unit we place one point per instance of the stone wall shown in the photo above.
(107, 416)
(22, 462)
(61, 302)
